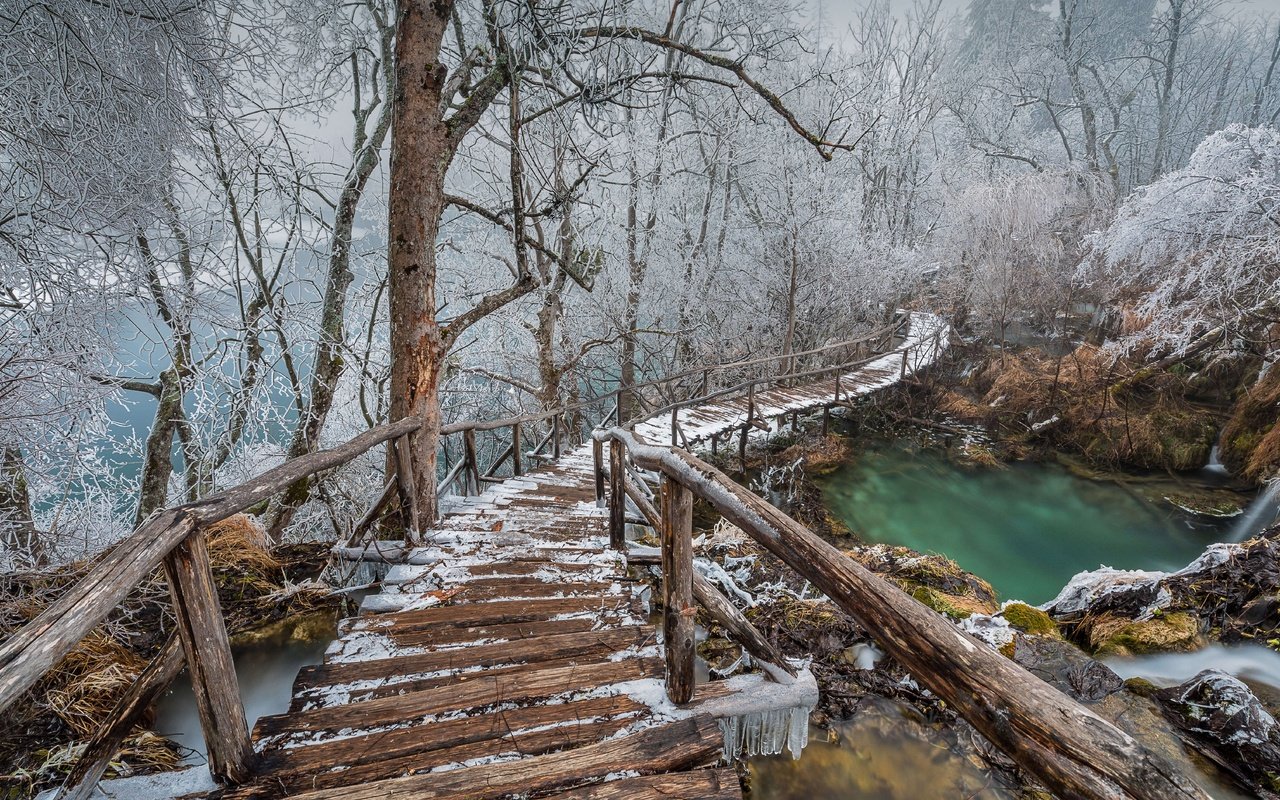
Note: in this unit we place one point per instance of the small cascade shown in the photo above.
(1261, 513)
(1215, 466)
(766, 732)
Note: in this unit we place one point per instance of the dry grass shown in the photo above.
(87, 683)
(1251, 437)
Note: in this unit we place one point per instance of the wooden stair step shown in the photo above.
(702, 784)
(463, 694)
(493, 613)
(587, 645)
(688, 743)
(403, 751)
(511, 631)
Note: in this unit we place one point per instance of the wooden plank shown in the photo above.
(479, 692)
(678, 613)
(524, 651)
(400, 751)
(679, 745)
(399, 684)
(469, 614)
(513, 631)
(617, 498)
(208, 655)
(702, 784)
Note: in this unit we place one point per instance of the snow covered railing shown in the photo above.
(1072, 750)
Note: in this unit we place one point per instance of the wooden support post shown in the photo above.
(517, 467)
(617, 496)
(837, 398)
(597, 458)
(715, 443)
(405, 483)
(617, 407)
(902, 373)
(751, 402)
(795, 421)
(826, 419)
(555, 437)
(675, 424)
(208, 652)
(473, 463)
(678, 612)
(742, 448)
(706, 383)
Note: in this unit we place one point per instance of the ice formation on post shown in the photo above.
(766, 732)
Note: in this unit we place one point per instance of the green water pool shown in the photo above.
(1026, 528)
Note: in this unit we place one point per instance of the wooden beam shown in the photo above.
(98, 752)
(678, 613)
(617, 496)
(597, 463)
(517, 466)
(739, 627)
(208, 656)
(473, 464)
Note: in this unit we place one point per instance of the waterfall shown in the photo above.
(1260, 513)
(1215, 464)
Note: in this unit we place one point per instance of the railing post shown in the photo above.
(208, 654)
(837, 387)
(617, 496)
(405, 484)
(706, 382)
(555, 437)
(517, 467)
(679, 613)
(742, 448)
(597, 458)
(902, 373)
(473, 463)
(675, 423)
(826, 419)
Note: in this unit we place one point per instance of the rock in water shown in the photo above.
(1221, 717)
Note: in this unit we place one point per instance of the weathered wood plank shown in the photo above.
(678, 614)
(478, 692)
(514, 631)
(499, 611)
(523, 651)
(208, 655)
(679, 745)
(402, 751)
(702, 784)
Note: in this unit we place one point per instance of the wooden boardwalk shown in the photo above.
(514, 655)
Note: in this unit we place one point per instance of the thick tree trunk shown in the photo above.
(16, 523)
(420, 154)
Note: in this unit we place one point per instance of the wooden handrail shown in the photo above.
(1073, 751)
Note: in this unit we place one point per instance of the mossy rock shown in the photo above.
(1207, 504)
(1141, 687)
(1029, 619)
(953, 606)
(1116, 636)
(307, 627)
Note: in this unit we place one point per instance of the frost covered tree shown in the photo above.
(1195, 254)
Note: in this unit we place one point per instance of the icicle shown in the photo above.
(766, 732)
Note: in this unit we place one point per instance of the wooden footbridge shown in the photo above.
(510, 651)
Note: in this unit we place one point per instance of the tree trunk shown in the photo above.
(419, 159)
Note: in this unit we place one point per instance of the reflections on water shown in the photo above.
(265, 671)
(886, 752)
(1026, 528)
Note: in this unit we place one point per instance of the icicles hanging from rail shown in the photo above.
(766, 732)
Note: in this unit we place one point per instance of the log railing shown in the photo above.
(173, 539)
(1073, 751)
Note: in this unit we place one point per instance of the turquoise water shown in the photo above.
(1026, 528)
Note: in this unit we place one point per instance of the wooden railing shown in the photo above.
(1072, 750)
(173, 539)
